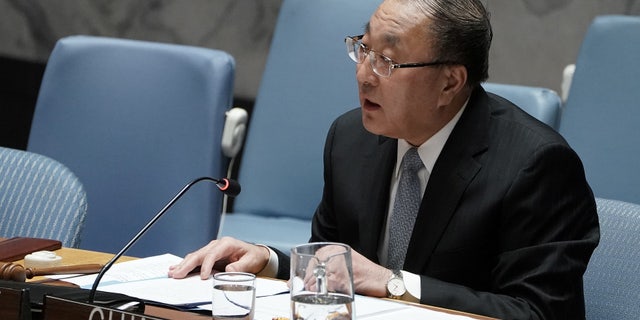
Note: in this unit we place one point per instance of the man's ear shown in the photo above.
(455, 78)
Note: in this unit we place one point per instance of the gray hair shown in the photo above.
(462, 33)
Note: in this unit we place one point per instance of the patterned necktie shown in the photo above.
(405, 209)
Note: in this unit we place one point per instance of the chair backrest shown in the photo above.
(612, 281)
(308, 81)
(40, 198)
(136, 121)
(601, 116)
(542, 103)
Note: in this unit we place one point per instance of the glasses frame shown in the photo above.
(391, 64)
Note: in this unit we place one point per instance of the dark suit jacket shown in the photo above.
(507, 223)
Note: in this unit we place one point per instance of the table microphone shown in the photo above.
(229, 187)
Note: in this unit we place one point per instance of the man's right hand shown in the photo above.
(225, 254)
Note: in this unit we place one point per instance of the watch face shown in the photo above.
(396, 287)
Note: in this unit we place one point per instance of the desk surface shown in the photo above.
(77, 256)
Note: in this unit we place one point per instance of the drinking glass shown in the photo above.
(234, 295)
(322, 282)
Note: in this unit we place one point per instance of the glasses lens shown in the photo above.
(354, 49)
(381, 65)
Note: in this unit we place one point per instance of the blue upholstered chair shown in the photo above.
(136, 121)
(308, 81)
(40, 198)
(601, 116)
(612, 281)
(544, 104)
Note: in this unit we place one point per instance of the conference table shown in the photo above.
(71, 256)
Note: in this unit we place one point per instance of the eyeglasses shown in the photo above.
(380, 64)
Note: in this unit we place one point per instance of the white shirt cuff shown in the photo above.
(271, 269)
(412, 284)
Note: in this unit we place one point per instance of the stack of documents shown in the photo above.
(147, 279)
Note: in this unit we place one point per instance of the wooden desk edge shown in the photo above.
(449, 311)
(72, 256)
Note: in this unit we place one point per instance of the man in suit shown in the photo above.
(504, 223)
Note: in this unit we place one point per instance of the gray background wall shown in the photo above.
(534, 39)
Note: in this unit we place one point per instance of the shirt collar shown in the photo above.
(430, 149)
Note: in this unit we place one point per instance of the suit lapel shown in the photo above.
(454, 169)
(380, 164)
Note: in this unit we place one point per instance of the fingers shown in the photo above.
(207, 266)
(205, 258)
(253, 259)
(190, 262)
(225, 254)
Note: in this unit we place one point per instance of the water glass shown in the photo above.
(322, 282)
(234, 295)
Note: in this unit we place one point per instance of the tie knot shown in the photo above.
(411, 161)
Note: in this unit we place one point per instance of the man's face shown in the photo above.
(407, 104)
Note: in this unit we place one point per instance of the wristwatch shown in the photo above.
(395, 285)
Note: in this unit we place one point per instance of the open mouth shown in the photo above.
(370, 105)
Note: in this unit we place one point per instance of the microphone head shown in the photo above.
(229, 187)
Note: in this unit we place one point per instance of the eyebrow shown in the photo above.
(389, 39)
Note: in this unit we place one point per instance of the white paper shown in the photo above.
(188, 292)
(135, 270)
(379, 309)
(147, 279)
(365, 307)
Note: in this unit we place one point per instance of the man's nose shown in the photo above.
(365, 73)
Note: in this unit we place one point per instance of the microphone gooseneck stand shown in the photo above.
(229, 187)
